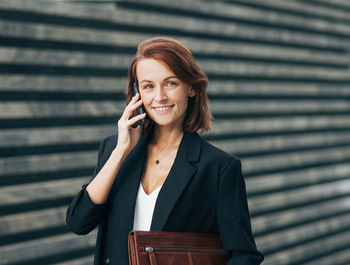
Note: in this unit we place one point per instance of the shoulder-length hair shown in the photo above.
(181, 61)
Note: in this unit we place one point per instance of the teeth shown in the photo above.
(165, 108)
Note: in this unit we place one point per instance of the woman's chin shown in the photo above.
(163, 124)
(167, 121)
(162, 121)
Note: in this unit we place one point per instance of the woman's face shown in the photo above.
(164, 96)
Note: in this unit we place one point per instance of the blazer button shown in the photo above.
(107, 261)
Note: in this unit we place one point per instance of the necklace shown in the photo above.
(157, 161)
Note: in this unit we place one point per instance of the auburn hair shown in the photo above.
(181, 61)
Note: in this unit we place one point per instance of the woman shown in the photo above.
(166, 177)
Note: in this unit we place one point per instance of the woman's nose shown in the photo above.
(160, 94)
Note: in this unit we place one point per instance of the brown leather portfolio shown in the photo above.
(175, 248)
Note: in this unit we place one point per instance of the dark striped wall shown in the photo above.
(279, 91)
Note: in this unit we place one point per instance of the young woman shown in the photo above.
(166, 177)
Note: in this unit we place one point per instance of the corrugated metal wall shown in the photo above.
(279, 90)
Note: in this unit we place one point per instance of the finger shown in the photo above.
(135, 106)
(133, 101)
(130, 110)
(135, 98)
(133, 120)
(126, 114)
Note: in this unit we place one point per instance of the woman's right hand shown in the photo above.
(99, 188)
(127, 135)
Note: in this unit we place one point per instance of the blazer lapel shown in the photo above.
(179, 176)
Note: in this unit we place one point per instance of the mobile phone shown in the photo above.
(140, 109)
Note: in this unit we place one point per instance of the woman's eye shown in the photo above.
(147, 86)
(172, 83)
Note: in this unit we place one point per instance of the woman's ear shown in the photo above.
(191, 92)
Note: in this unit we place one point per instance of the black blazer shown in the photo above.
(204, 192)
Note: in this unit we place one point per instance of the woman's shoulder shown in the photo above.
(107, 145)
(111, 138)
(215, 154)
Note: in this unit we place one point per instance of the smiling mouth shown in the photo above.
(163, 108)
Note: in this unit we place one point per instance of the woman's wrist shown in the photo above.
(120, 151)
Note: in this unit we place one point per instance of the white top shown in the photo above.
(144, 208)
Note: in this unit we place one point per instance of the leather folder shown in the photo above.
(175, 248)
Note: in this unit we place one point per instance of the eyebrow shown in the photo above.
(172, 76)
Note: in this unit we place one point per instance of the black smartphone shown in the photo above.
(140, 109)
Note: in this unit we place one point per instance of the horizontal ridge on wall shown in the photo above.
(142, 6)
(278, 91)
(289, 10)
(114, 49)
(31, 16)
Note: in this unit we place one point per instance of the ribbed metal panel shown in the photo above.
(279, 91)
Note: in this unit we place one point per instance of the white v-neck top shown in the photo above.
(144, 208)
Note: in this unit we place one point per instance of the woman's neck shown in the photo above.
(166, 138)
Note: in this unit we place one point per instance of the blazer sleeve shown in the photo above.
(83, 215)
(233, 217)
